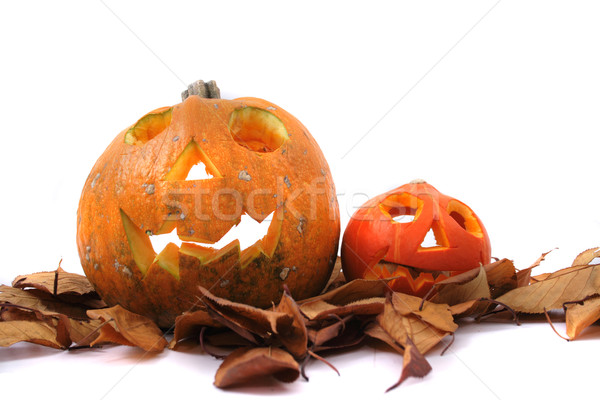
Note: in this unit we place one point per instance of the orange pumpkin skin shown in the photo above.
(376, 246)
(138, 188)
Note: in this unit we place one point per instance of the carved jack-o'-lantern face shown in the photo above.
(414, 234)
(260, 161)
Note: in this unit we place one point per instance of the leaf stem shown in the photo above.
(552, 326)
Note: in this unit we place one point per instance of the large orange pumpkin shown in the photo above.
(259, 161)
(387, 238)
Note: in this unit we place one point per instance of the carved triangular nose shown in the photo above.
(192, 158)
(435, 237)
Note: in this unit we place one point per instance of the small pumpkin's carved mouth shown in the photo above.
(262, 238)
(406, 279)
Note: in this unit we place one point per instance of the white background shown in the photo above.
(494, 103)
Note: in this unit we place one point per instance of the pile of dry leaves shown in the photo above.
(61, 310)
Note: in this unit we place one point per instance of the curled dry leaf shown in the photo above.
(375, 331)
(41, 301)
(344, 333)
(580, 316)
(189, 325)
(124, 327)
(414, 364)
(464, 298)
(246, 364)
(245, 319)
(55, 282)
(64, 286)
(320, 309)
(358, 289)
(68, 330)
(586, 257)
(571, 285)
(582, 261)
(294, 337)
(52, 329)
(336, 279)
(37, 332)
(524, 275)
(460, 292)
(322, 335)
(403, 318)
(500, 277)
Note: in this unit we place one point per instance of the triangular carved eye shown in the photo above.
(149, 126)
(257, 129)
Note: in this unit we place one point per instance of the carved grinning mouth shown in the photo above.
(248, 231)
(250, 237)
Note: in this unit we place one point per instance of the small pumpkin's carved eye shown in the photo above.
(257, 129)
(401, 208)
(464, 217)
(149, 126)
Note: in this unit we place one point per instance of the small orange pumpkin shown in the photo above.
(386, 237)
(259, 160)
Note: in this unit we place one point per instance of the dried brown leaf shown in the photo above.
(562, 287)
(465, 309)
(375, 331)
(320, 309)
(501, 276)
(324, 334)
(294, 337)
(414, 364)
(456, 293)
(463, 297)
(68, 329)
(124, 327)
(60, 323)
(244, 318)
(245, 365)
(336, 279)
(436, 315)
(524, 275)
(189, 324)
(344, 333)
(402, 320)
(37, 332)
(586, 257)
(83, 332)
(580, 316)
(357, 289)
(42, 301)
(55, 282)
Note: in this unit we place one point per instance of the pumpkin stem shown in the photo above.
(207, 90)
(417, 181)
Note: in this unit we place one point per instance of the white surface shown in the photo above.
(500, 112)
